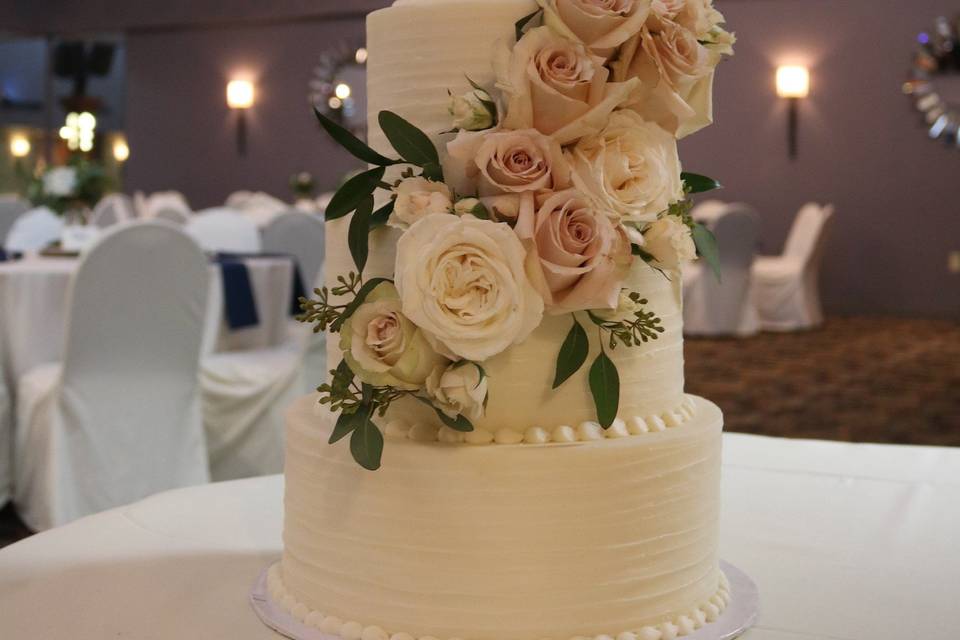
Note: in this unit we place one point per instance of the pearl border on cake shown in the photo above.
(563, 434)
(682, 625)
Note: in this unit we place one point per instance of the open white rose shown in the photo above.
(458, 389)
(556, 86)
(670, 242)
(577, 257)
(676, 77)
(382, 347)
(518, 161)
(417, 198)
(469, 111)
(60, 182)
(602, 25)
(462, 281)
(631, 170)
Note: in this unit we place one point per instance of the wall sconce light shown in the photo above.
(793, 83)
(240, 97)
(121, 150)
(19, 145)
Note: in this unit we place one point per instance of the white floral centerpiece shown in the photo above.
(572, 175)
(71, 187)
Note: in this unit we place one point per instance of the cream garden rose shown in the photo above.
(458, 389)
(676, 77)
(670, 242)
(417, 198)
(577, 256)
(557, 86)
(462, 281)
(602, 25)
(469, 111)
(630, 170)
(518, 161)
(382, 347)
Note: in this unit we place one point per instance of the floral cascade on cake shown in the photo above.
(567, 174)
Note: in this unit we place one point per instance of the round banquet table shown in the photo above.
(34, 302)
(844, 541)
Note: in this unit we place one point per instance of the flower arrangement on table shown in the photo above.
(74, 186)
(573, 173)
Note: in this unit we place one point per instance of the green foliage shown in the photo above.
(696, 183)
(644, 327)
(460, 423)
(380, 217)
(605, 388)
(358, 235)
(707, 248)
(573, 353)
(353, 192)
(351, 143)
(358, 300)
(521, 25)
(323, 314)
(411, 143)
(366, 443)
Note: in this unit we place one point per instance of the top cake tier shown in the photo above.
(419, 50)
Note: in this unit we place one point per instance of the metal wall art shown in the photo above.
(934, 82)
(338, 87)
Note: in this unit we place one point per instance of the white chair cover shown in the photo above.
(301, 235)
(148, 206)
(11, 208)
(112, 209)
(707, 211)
(34, 230)
(224, 230)
(712, 307)
(238, 199)
(168, 214)
(786, 288)
(261, 207)
(120, 419)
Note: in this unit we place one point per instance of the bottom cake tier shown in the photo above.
(596, 538)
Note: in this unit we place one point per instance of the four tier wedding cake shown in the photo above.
(504, 450)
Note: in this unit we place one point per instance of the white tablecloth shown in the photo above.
(845, 541)
(33, 310)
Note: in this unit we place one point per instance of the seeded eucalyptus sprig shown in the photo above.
(644, 327)
(323, 314)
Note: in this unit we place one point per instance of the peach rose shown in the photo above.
(576, 256)
(676, 78)
(602, 25)
(518, 161)
(556, 86)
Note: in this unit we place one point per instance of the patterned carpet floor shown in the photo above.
(856, 379)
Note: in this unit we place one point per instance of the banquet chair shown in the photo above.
(149, 206)
(34, 230)
(301, 235)
(723, 307)
(707, 211)
(238, 199)
(260, 207)
(11, 208)
(786, 288)
(224, 230)
(169, 214)
(112, 209)
(120, 418)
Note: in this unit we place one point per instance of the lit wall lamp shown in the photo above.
(121, 150)
(793, 83)
(19, 145)
(240, 96)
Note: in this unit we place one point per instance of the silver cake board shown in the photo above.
(739, 616)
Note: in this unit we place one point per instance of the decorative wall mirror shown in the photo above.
(934, 82)
(338, 87)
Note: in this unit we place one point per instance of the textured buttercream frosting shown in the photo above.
(514, 542)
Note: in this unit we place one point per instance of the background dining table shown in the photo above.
(34, 304)
(845, 541)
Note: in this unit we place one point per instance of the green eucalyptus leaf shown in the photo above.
(480, 211)
(344, 427)
(696, 183)
(460, 423)
(358, 235)
(605, 387)
(411, 143)
(572, 354)
(351, 143)
(366, 443)
(353, 192)
(707, 248)
(351, 308)
(641, 253)
(382, 215)
(523, 22)
(433, 172)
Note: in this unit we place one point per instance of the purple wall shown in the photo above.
(862, 148)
